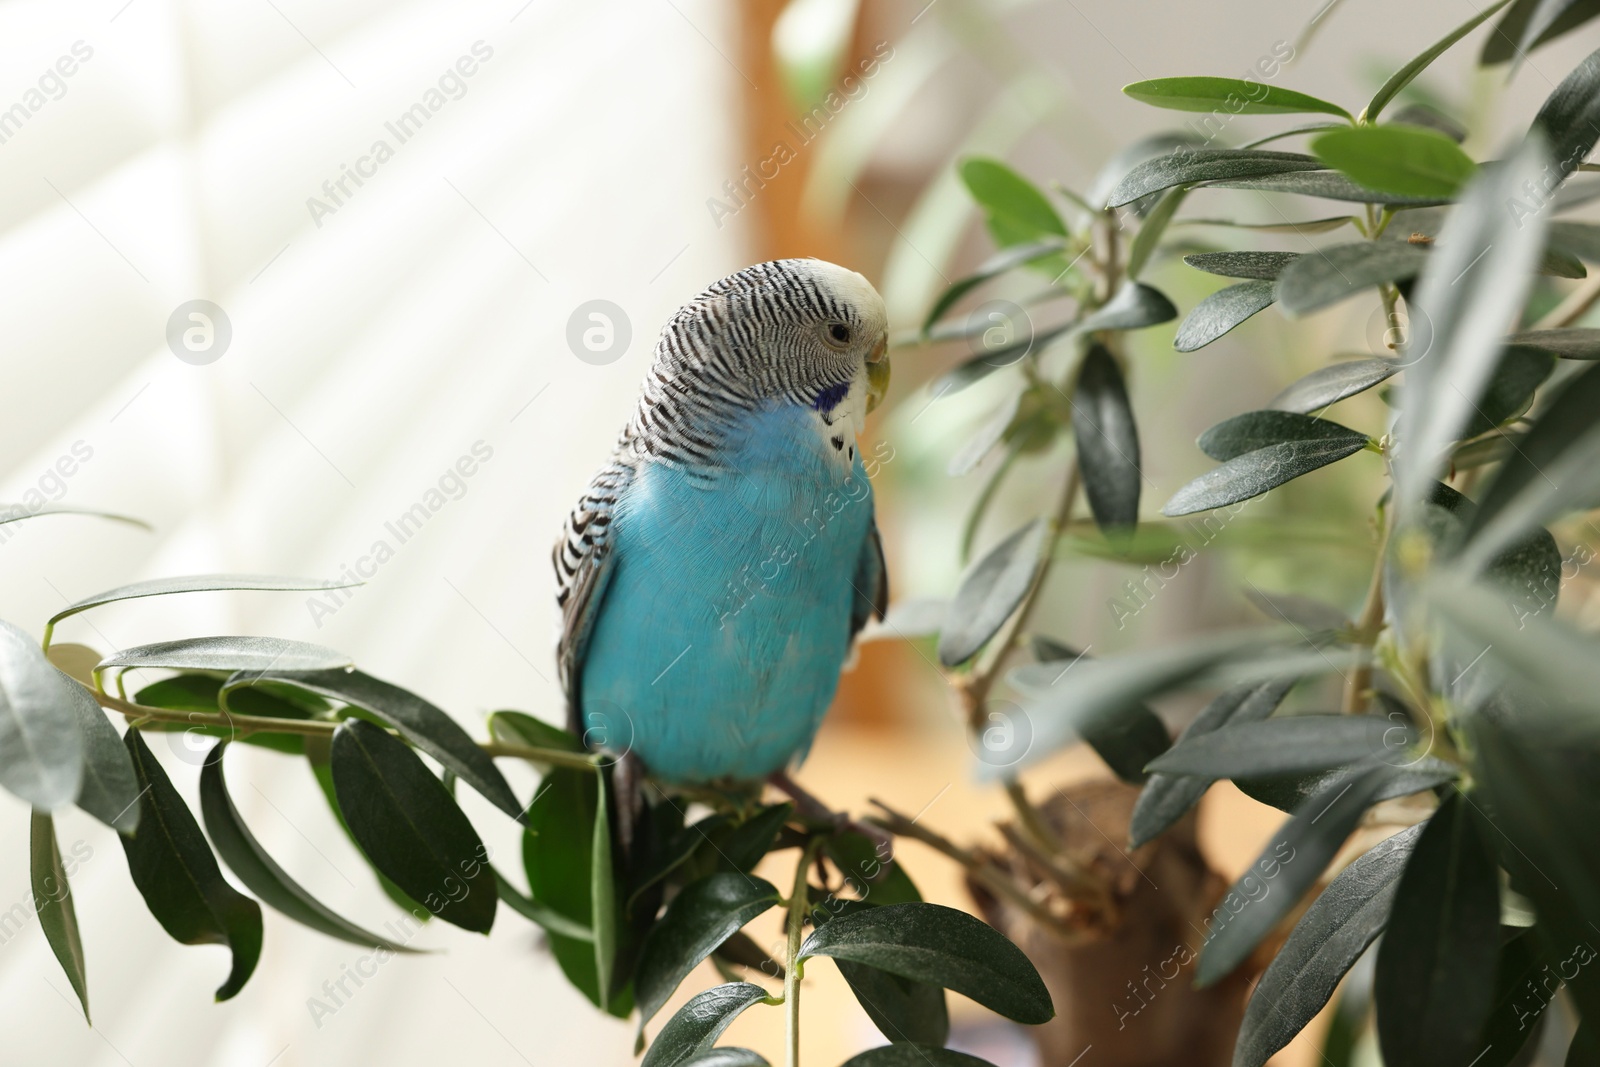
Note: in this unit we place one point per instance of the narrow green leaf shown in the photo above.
(1155, 224)
(1464, 300)
(1436, 967)
(1517, 376)
(175, 872)
(1329, 275)
(1004, 261)
(698, 1024)
(1130, 156)
(1575, 342)
(1128, 741)
(52, 898)
(1327, 184)
(1221, 312)
(1555, 468)
(1291, 745)
(1255, 430)
(1011, 199)
(1261, 266)
(1233, 95)
(41, 743)
(228, 654)
(418, 721)
(703, 915)
(728, 1056)
(874, 878)
(1305, 612)
(1429, 119)
(18, 512)
(259, 872)
(994, 428)
(912, 1055)
(1512, 39)
(602, 890)
(196, 583)
(990, 591)
(522, 728)
(942, 946)
(1300, 227)
(1407, 160)
(741, 846)
(1189, 165)
(1344, 919)
(901, 1009)
(1108, 441)
(1289, 792)
(1166, 797)
(409, 826)
(1289, 866)
(318, 753)
(1567, 126)
(549, 919)
(1132, 307)
(110, 789)
(1254, 473)
(1408, 73)
(1331, 384)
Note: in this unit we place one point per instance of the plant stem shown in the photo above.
(799, 902)
(1573, 307)
(1368, 627)
(242, 725)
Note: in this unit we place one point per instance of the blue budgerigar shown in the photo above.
(712, 578)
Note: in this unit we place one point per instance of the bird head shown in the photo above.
(804, 330)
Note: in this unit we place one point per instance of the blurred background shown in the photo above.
(377, 313)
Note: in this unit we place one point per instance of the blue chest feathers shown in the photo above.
(718, 646)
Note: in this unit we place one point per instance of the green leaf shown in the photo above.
(1129, 157)
(419, 722)
(175, 872)
(602, 893)
(1289, 792)
(41, 744)
(1127, 741)
(698, 1024)
(1299, 227)
(1304, 612)
(1569, 124)
(18, 512)
(1464, 299)
(1289, 866)
(1108, 441)
(109, 789)
(990, 434)
(1408, 73)
(910, 1055)
(1512, 37)
(1189, 165)
(1261, 266)
(1327, 184)
(196, 583)
(1526, 574)
(1256, 430)
(1235, 95)
(522, 728)
(1132, 307)
(941, 946)
(1580, 240)
(1514, 1017)
(1426, 117)
(990, 591)
(1291, 745)
(728, 1056)
(1166, 797)
(1253, 473)
(1010, 200)
(409, 826)
(259, 872)
(875, 880)
(228, 654)
(549, 919)
(1436, 967)
(1407, 160)
(1555, 468)
(901, 1009)
(1344, 919)
(52, 897)
(1329, 385)
(1315, 281)
(740, 847)
(1006, 260)
(1518, 375)
(318, 752)
(1221, 312)
(702, 916)
(1576, 342)
(1155, 224)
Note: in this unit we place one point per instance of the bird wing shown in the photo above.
(582, 559)
(871, 582)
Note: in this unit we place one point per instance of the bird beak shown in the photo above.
(878, 372)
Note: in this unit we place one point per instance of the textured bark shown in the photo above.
(1123, 983)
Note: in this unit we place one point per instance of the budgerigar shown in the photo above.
(712, 578)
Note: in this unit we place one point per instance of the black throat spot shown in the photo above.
(831, 397)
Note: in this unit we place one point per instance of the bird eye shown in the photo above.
(839, 332)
